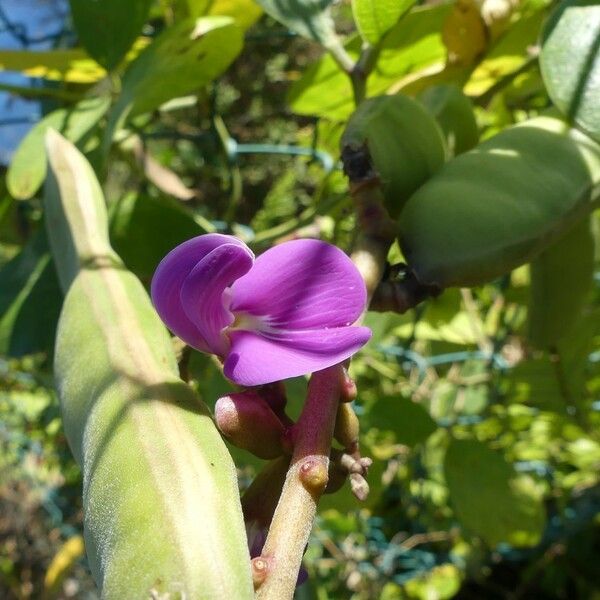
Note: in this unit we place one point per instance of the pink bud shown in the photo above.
(248, 422)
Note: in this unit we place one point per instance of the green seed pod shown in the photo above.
(405, 143)
(454, 113)
(162, 511)
(501, 204)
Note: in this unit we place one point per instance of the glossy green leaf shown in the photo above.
(570, 62)
(181, 60)
(108, 28)
(27, 169)
(374, 18)
(30, 300)
(161, 503)
(413, 45)
(309, 18)
(561, 280)
(488, 498)
(455, 115)
(134, 218)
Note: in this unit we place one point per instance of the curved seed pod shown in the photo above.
(405, 143)
(162, 511)
(501, 204)
(454, 113)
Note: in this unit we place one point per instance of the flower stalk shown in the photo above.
(304, 484)
(312, 435)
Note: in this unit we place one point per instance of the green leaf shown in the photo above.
(135, 218)
(161, 502)
(488, 498)
(410, 47)
(181, 60)
(108, 28)
(561, 280)
(309, 18)
(30, 300)
(409, 422)
(27, 169)
(374, 18)
(570, 62)
(70, 65)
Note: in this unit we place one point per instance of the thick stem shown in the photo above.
(376, 230)
(305, 481)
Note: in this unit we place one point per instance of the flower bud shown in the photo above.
(248, 422)
(346, 427)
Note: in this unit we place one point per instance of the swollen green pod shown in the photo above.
(454, 113)
(162, 510)
(405, 143)
(499, 205)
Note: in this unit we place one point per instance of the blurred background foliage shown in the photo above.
(485, 439)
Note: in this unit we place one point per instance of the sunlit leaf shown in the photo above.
(245, 12)
(506, 56)
(374, 18)
(27, 169)
(410, 47)
(71, 66)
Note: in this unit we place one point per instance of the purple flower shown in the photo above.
(289, 312)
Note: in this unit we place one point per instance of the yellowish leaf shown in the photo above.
(464, 33)
(72, 66)
(62, 564)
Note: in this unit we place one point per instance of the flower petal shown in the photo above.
(302, 284)
(169, 277)
(202, 292)
(255, 358)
